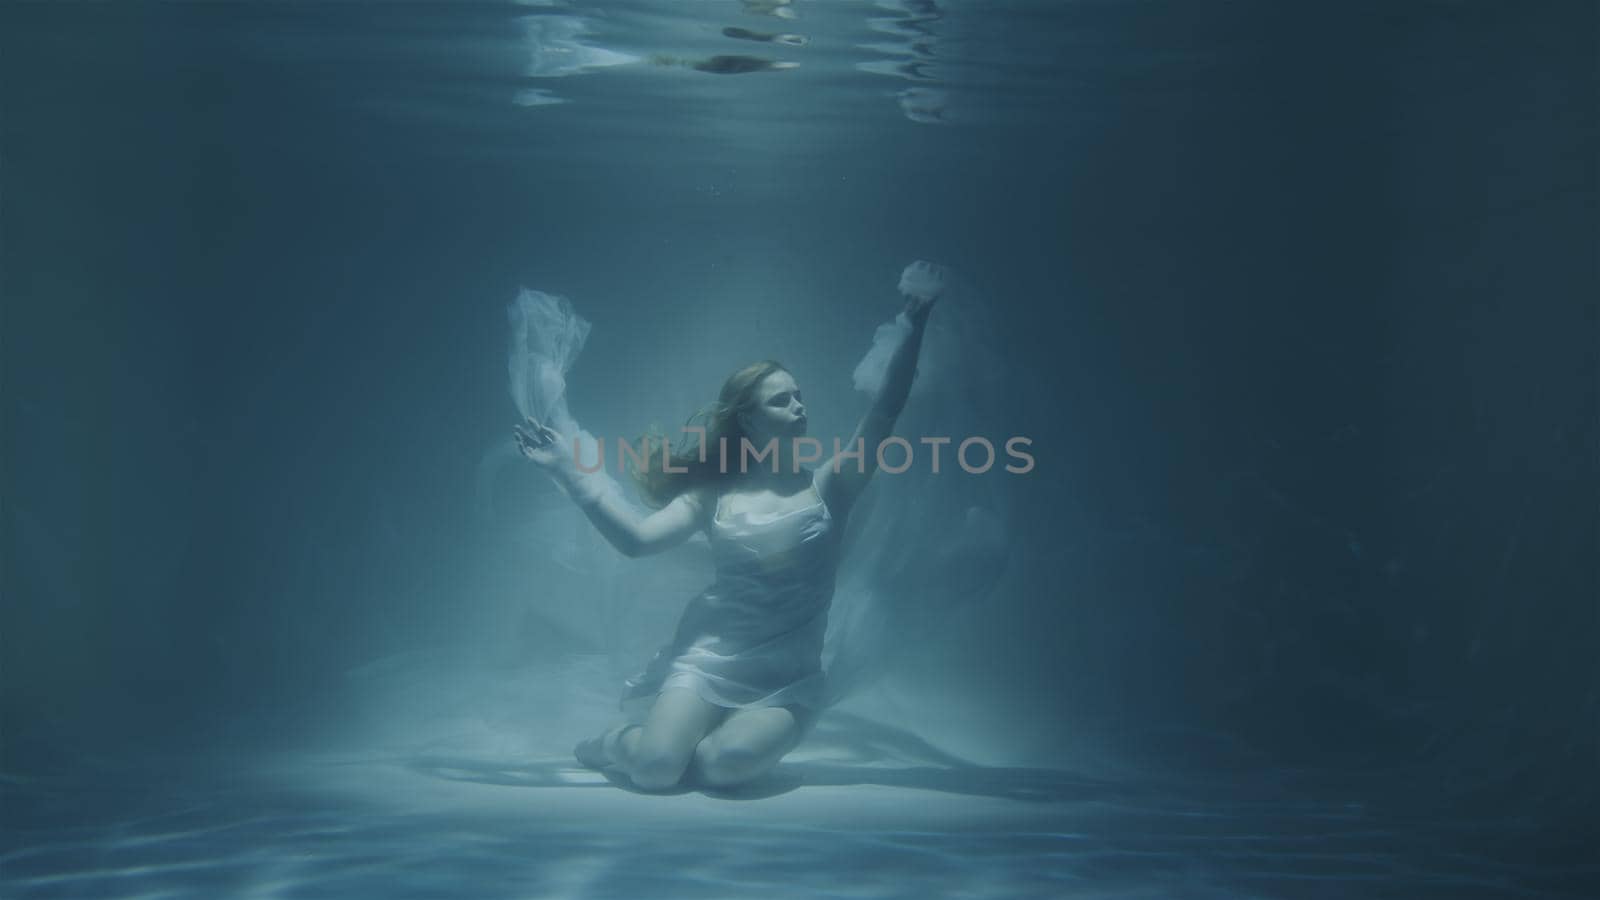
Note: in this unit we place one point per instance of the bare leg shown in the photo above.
(747, 744)
(654, 755)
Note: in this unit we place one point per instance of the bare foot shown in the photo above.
(599, 752)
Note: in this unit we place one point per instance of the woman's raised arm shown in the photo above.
(840, 481)
(632, 534)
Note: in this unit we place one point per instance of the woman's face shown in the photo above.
(778, 411)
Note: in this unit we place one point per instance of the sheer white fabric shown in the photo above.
(754, 637)
(546, 337)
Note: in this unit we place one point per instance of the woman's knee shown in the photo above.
(726, 763)
(721, 767)
(660, 761)
(664, 747)
(658, 769)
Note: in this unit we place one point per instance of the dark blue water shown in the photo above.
(1297, 304)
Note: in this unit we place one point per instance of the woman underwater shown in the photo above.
(741, 682)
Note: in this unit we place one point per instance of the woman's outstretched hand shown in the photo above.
(922, 283)
(541, 443)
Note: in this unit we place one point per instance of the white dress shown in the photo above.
(754, 637)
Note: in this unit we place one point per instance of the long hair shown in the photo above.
(721, 421)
